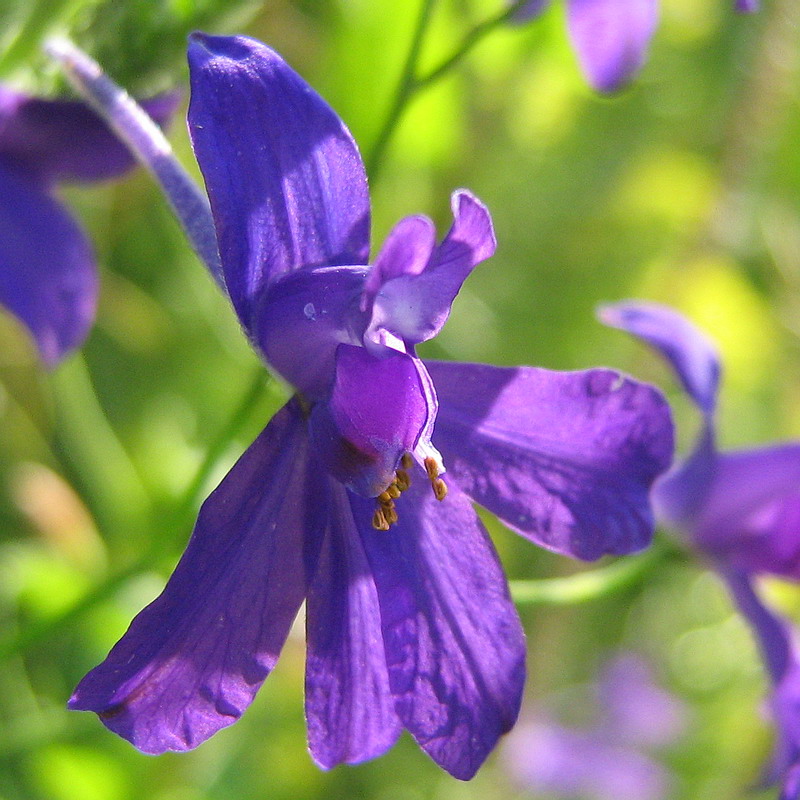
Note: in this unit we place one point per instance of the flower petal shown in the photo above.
(48, 276)
(414, 305)
(284, 176)
(611, 38)
(454, 644)
(749, 516)
(64, 140)
(192, 661)
(747, 6)
(687, 349)
(377, 411)
(349, 707)
(564, 458)
(302, 319)
(529, 10)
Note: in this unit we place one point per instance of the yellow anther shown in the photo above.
(432, 468)
(402, 480)
(406, 462)
(393, 491)
(379, 521)
(439, 489)
(390, 512)
(384, 498)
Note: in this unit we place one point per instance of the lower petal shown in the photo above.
(454, 644)
(192, 661)
(349, 707)
(564, 458)
(48, 277)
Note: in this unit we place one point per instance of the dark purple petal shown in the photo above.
(688, 350)
(349, 707)
(377, 410)
(529, 10)
(413, 305)
(454, 645)
(48, 276)
(192, 661)
(777, 642)
(747, 6)
(303, 318)
(64, 140)
(611, 38)
(749, 516)
(285, 180)
(564, 458)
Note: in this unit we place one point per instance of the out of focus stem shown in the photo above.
(411, 83)
(585, 587)
(161, 544)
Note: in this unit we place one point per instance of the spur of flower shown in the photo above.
(611, 38)
(739, 509)
(48, 276)
(343, 501)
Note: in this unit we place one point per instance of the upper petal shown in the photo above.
(48, 276)
(454, 644)
(376, 412)
(349, 707)
(686, 348)
(192, 661)
(611, 38)
(65, 140)
(284, 176)
(565, 458)
(749, 516)
(413, 303)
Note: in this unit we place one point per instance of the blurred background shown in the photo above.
(684, 188)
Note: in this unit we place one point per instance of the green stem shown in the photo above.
(410, 84)
(586, 587)
(43, 15)
(405, 90)
(15, 643)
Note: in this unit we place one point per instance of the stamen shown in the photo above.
(406, 462)
(439, 489)
(379, 521)
(402, 479)
(432, 468)
(390, 512)
(393, 491)
(384, 498)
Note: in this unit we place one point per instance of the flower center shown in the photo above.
(385, 511)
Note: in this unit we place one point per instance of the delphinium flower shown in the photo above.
(610, 758)
(48, 276)
(611, 38)
(739, 509)
(343, 501)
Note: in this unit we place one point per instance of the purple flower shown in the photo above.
(341, 501)
(610, 37)
(739, 509)
(606, 760)
(48, 277)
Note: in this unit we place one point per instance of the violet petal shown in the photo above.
(454, 644)
(192, 661)
(349, 707)
(48, 277)
(611, 38)
(749, 517)
(377, 411)
(284, 176)
(565, 458)
(686, 348)
(414, 306)
(64, 140)
(747, 6)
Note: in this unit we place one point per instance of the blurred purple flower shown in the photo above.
(605, 760)
(739, 509)
(610, 37)
(48, 277)
(413, 628)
